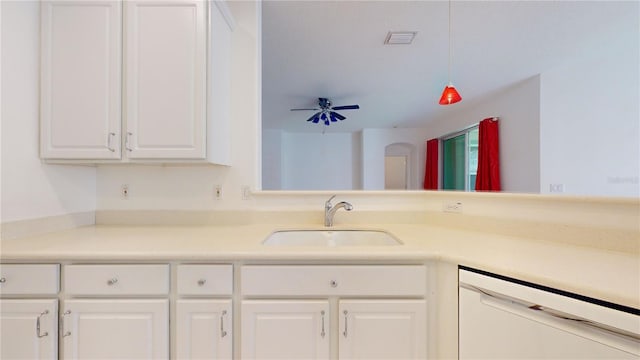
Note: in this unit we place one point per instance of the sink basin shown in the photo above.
(331, 238)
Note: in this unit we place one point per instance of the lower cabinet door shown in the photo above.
(285, 329)
(115, 329)
(382, 329)
(29, 329)
(204, 329)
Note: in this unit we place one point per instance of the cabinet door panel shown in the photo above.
(166, 79)
(116, 329)
(80, 79)
(282, 329)
(19, 325)
(204, 329)
(382, 329)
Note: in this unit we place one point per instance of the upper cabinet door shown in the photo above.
(80, 79)
(165, 70)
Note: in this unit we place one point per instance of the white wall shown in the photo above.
(31, 189)
(271, 159)
(316, 161)
(590, 117)
(518, 108)
(374, 142)
(192, 187)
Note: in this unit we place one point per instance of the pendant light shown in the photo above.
(450, 95)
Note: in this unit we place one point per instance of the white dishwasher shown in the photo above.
(505, 318)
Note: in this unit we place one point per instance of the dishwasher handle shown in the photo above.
(606, 335)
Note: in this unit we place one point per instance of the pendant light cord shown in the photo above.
(450, 51)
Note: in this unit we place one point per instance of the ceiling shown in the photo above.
(335, 49)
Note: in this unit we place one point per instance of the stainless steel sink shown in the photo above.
(331, 238)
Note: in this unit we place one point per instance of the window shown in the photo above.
(460, 160)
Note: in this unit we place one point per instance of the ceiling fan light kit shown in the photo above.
(326, 112)
(450, 95)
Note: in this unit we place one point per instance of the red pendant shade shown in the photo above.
(449, 95)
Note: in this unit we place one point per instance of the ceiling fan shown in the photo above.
(326, 113)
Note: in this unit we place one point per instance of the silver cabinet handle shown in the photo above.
(112, 281)
(67, 333)
(128, 141)
(201, 282)
(223, 332)
(322, 333)
(38, 333)
(109, 137)
(3, 280)
(345, 323)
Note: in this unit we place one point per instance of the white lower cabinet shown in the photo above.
(285, 329)
(147, 311)
(382, 329)
(29, 311)
(115, 329)
(323, 312)
(116, 311)
(204, 329)
(29, 329)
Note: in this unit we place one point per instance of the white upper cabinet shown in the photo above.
(165, 64)
(168, 101)
(80, 79)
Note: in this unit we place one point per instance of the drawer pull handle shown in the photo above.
(345, 323)
(3, 280)
(112, 282)
(322, 333)
(333, 283)
(223, 332)
(201, 282)
(67, 333)
(38, 333)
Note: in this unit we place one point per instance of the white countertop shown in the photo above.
(607, 275)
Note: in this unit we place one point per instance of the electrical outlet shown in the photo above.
(556, 188)
(246, 192)
(217, 192)
(124, 191)
(452, 207)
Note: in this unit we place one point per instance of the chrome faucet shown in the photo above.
(330, 210)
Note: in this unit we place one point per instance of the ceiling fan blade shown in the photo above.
(312, 117)
(303, 109)
(337, 116)
(346, 107)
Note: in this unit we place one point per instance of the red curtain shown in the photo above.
(431, 165)
(488, 177)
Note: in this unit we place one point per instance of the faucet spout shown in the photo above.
(330, 210)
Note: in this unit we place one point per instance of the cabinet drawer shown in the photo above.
(205, 279)
(355, 280)
(116, 279)
(22, 279)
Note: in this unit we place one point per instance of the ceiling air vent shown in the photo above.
(400, 37)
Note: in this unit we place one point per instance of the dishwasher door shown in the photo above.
(500, 319)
